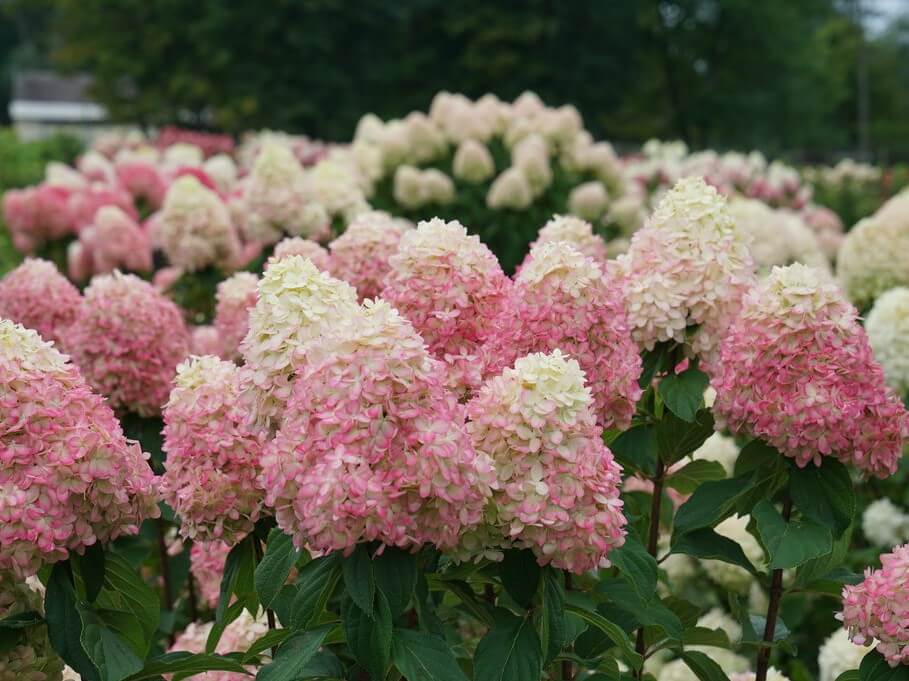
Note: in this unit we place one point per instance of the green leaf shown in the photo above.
(369, 638)
(112, 656)
(825, 495)
(22, 620)
(315, 584)
(790, 543)
(683, 393)
(706, 543)
(91, 569)
(615, 633)
(510, 650)
(270, 639)
(359, 579)
(690, 477)
(421, 657)
(126, 592)
(702, 636)
(703, 667)
(271, 573)
(218, 627)
(520, 574)
(395, 573)
(851, 675)
(711, 502)
(648, 610)
(875, 668)
(182, 662)
(677, 438)
(238, 578)
(654, 361)
(552, 625)
(479, 609)
(636, 566)
(768, 470)
(293, 656)
(636, 448)
(64, 625)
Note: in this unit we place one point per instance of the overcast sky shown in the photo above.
(880, 12)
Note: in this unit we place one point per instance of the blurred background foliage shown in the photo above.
(776, 75)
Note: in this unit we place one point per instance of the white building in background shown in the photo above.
(44, 102)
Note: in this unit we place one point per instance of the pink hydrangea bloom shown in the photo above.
(360, 255)
(562, 299)
(212, 460)
(142, 179)
(84, 203)
(206, 563)
(36, 215)
(371, 446)
(68, 477)
(689, 266)
(127, 342)
(237, 637)
(194, 228)
(297, 245)
(452, 289)
(558, 484)
(797, 371)
(204, 340)
(235, 296)
(37, 296)
(577, 232)
(115, 241)
(296, 303)
(878, 607)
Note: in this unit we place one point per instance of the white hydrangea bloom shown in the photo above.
(874, 257)
(838, 654)
(888, 331)
(275, 195)
(885, 524)
(577, 232)
(531, 157)
(589, 200)
(222, 169)
(182, 154)
(472, 162)
(510, 190)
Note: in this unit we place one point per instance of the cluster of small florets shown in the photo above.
(36, 215)
(688, 267)
(838, 654)
(885, 524)
(235, 297)
(206, 564)
(31, 658)
(70, 478)
(295, 300)
(212, 458)
(878, 607)
(371, 446)
(452, 289)
(578, 233)
(872, 258)
(888, 332)
(297, 245)
(562, 300)
(37, 296)
(360, 256)
(194, 227)
(557, 488)
(797, 371)
(127, 342)
(113, 241)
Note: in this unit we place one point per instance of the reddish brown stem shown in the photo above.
(653, 538)
(773, 610)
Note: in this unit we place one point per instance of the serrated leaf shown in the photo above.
(703, 667)
(369, 638)
(636, 566)
(824, 494)
(683, 393)
(64, 625)
(111, 655)
(270, 639)
(293, 656)
(711, 502)
(182, 662)
(520, 574)
(22, 620)
(315, 583)
(875, 668)
(708, 544)
(359, 579)
(395, 573)
(636, 448)
(615, 633)
(677, 438)
(552, 624)
(92, 569)
(271, 573)
(421, 657)
(238, 578)
(510, 650)
(690, 476)
(790, 543)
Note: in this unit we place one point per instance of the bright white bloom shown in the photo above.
(414, 187)
(874, 258)
(222, 169)
(274, 197)
(731, 576)
(885, 524)
(510, 190)
(577, 232)
(182, 154)
(531, 157)
(588, 200)
(838, 654)
(887, 326)
(473, 162)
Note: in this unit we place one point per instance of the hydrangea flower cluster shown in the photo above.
(212, 458)
(872, 258)
(206, 563)
(238, 636)
(838, 654)
(563, 300)
(797, 371)
(194, 227)
(688, 267)
(68, 477)
(296, 245)
(885, 524)
(127, 341)
(113, 241)
(557, 491)
(295, 300)
(37, 296)
(452, 289)
(577, 232)
(887, 326)
(31, 658)
(371, 446)
(360, 256)
(36, 215)
(235, 297)
(878, 607)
